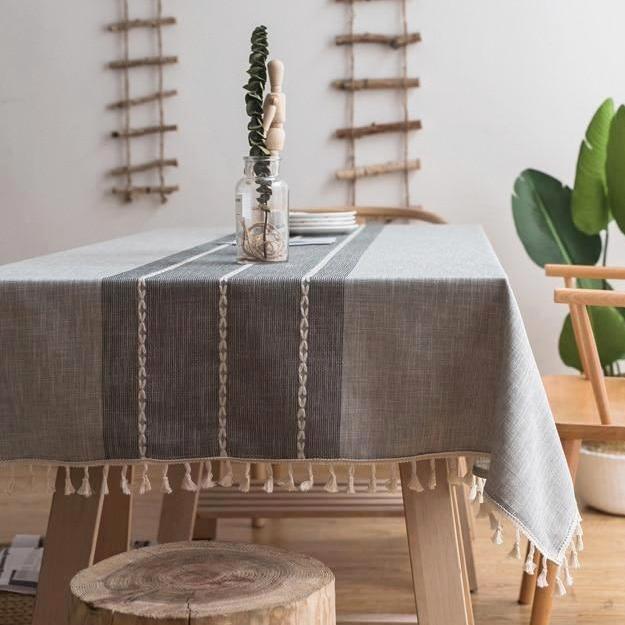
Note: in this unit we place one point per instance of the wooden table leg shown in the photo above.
(465, 520)
(179, 508)
(72, 542)
(441, 590)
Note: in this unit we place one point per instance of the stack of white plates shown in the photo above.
(322, 223)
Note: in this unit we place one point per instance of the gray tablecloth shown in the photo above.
(395, 343)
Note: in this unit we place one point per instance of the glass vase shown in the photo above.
(262, 212)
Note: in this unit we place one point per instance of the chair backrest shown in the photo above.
(578, 301)
(382, 213)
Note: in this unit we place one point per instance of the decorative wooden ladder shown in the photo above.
(129, 191)
(351, 85)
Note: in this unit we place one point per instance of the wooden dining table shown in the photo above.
(156, 361)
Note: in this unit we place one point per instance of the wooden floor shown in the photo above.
(369, 557)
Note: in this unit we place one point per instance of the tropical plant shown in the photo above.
(564, 226)
(255, 89)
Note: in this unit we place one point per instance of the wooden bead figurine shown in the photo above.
(275, 109)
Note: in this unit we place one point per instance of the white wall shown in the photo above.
(506, 85)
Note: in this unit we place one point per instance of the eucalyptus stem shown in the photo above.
(255, 88)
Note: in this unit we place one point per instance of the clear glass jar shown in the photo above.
(262, 212)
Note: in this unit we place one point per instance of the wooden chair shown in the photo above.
(588, 407)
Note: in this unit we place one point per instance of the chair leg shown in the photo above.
(464, 528)
(543, 597)
(440, 585)
(179, 508)
(528, 582)
(205, 528)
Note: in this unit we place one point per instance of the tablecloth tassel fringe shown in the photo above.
(415, 483)
(290, 481)
(50, 487)
(392, 484)
(10, 487)
(69, 487)
(268, 485)
(573, 557)
(454, 471)
(351, 488)
(104, 488)
(145, 486)
(207, 480)
(515, 552)
(568, 578)
(307, 484)
(331, 485)
(481, 483)
(432, 480)
(497, 537)
(124, 485)
(578, 538)
(187, 481)
(85, 486)
(473, 489)
(560, 586)
(542, 581)
(165, 485)
(373, 481)
(246, 482)
(530, 565)
(228, 479)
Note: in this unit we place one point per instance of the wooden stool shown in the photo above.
(204, 583)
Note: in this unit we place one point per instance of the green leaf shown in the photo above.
(615, 168)
(589, 203)
(541, 207)
(608, 327)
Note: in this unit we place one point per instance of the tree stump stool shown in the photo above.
(204, 583)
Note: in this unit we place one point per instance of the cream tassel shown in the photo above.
(85, 487)
(124, 485)
(579, 540)
(246, 482)
(145, 486)
(481, 482)
(497, 537)
(542, 581)
(307, 485)
(165, 485)
(468, 476)
(268, 485)
(414, 483)
(187, 481)
(50, 488)
(392, 485)
(104, 489)
(530, 565)
(69, 487)
(290, 482)
(515, 552)
(207, 476)
(568, 578)
(331, 485)
(560, 586)
(432, 481)
(227, 480)
(351, 488)
(574, 560)
(373, 481)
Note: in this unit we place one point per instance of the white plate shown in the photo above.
(322, 229)
(337, 215)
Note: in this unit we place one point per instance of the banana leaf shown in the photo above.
(541, 207)
(608, 327)
(589, 203)
(615, 168)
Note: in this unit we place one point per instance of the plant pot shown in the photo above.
(600, 481)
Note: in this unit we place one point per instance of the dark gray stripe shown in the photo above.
(263, 344)
(325, 347)
(119, 353)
